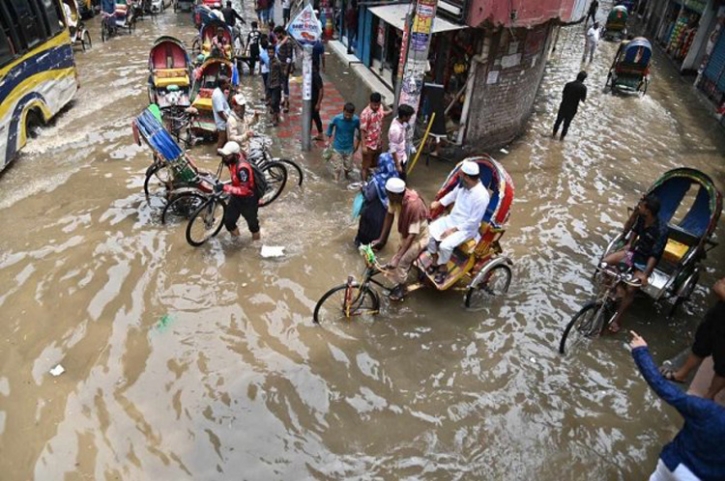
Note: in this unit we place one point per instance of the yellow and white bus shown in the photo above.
(38, 75)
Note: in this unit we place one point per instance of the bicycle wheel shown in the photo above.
(206, 222)
(344, 302)
(496, 283)
(181, 206)
(300, 174)
(585, 324)
(156, 184)
(86, 40)
(276, 175)
(196, 47)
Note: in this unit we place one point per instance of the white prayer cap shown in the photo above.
(395, 185)
(230, 148)
(470, 168)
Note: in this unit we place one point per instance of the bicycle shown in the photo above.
(179, 120)
(596, 315)
(358, 299)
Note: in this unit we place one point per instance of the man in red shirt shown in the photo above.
(371, 128)
(242, 201)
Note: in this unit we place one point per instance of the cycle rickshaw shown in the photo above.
(123, 18)
(169, 71)
(477, 266)
(630, 70)
(78, 34)
(690, 205)
(616, 26)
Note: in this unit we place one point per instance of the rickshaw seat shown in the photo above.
(630, 69)
(165, 82)
(170, 72)
(202, 103)
(490, 233)
(679, 242)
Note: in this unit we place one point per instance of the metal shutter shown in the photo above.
(715, 70)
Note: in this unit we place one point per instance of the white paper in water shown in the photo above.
(272, 251)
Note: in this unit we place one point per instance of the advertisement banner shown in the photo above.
(305, 28)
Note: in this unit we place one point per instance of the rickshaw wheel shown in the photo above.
(496, 283)
(86, 40)
(685, 292)
(155, 185)
(583, 325)
(181, 206)
(362, 301)
(642, 88)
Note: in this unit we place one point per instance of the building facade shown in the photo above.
(486, 60)
(691, 32)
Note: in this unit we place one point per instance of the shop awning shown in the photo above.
(395, 16)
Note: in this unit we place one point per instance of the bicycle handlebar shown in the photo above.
(626, 277)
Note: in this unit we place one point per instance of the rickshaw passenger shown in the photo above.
(413, 228)
(72, 24)
(643, 250)
(446, 233)
(218, 43)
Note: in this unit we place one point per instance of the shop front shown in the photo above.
(680, 26)
(712, 71)
(379, 47)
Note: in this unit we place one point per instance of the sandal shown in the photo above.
(441, 277)
(398, 293)
(669, 374)
(431, 269)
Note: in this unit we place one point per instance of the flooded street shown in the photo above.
(204, 363)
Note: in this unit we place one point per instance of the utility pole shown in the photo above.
(307, 91)
(305, 29)
(419, 29)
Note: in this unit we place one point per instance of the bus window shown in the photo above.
(50, 9)
(30, 25)
(6, 49)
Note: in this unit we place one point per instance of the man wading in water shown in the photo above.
(574, 92)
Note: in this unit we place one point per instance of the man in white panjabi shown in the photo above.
(470, 200)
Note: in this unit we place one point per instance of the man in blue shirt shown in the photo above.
(697, 451)
(345, 128)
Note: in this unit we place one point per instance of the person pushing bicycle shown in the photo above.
(243, 200)
(643, 250)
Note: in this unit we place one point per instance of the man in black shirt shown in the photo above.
(592, 12)
(643, 251)
(574, 92)
(231, 16)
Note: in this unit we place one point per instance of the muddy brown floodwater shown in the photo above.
(204, 363)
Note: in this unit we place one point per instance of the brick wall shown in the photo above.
(507, 79)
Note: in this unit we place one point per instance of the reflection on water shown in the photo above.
(203, 363)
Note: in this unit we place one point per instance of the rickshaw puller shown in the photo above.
(645, 248)
(413, 228)
(470, 200)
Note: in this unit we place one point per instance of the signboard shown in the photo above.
(305, 28)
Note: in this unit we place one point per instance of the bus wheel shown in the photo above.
(32, 124)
